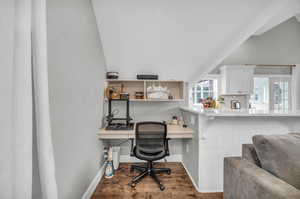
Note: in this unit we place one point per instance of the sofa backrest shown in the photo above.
(249, 153)
(280, 155)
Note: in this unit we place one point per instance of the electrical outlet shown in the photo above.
(187, 148)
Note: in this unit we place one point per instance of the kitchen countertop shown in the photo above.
(241, 113)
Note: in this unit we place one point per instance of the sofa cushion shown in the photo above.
(280, 155)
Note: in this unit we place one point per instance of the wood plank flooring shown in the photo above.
(178, 185)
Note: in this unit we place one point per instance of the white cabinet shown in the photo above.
(237, 79)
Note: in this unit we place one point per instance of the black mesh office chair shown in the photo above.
(151, 144)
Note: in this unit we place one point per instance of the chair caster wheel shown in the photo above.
(133, 185)
(162, 187)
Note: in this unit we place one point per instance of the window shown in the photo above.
(203, 90)
(280, 94)
(272, 93)
(260, 99)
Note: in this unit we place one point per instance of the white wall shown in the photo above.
(76, 74)
(150, 111)
(175, 38)
(224, 137)
(6, 58)
(291, 9)
(280, 45)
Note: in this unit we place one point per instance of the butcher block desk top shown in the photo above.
(174, 131)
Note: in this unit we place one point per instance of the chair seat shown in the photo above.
(149, 154)
(151, 148)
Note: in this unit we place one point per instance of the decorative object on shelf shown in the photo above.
(221, 100)
(124, 95)
(145, 76)
(108, 156)
(112, 75)
(157, 92)
(236, 101)
(235, 104)
(139, 95)
(114, 91)
(174, 120)
(220, 103)
(209, 102)
(180, 121)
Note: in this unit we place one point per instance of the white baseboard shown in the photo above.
(211, 191)
(171, 158)
(190, 176)
(92, 187)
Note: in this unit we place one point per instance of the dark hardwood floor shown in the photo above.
(178, 185)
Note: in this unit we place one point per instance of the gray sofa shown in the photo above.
(268, 169)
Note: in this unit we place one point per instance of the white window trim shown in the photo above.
(295, 87)
(208, 77)
(273, 77)
(272, 80)
(270, 76)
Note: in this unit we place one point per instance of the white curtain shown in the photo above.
(21, 130)
(42, 113)
(24, 39)
(6, 57)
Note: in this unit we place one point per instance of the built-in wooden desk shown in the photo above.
(174, 131)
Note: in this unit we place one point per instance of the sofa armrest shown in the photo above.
(245, 180)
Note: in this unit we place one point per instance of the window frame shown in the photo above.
(272, 79)
(215, 78)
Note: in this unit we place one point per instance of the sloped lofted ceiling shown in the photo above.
(176, 39)
(291, 9)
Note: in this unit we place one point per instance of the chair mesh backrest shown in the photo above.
(151, 135)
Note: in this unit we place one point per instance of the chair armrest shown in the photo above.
(243, 179)
(167, 146)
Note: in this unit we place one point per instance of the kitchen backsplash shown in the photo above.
(236, 102)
